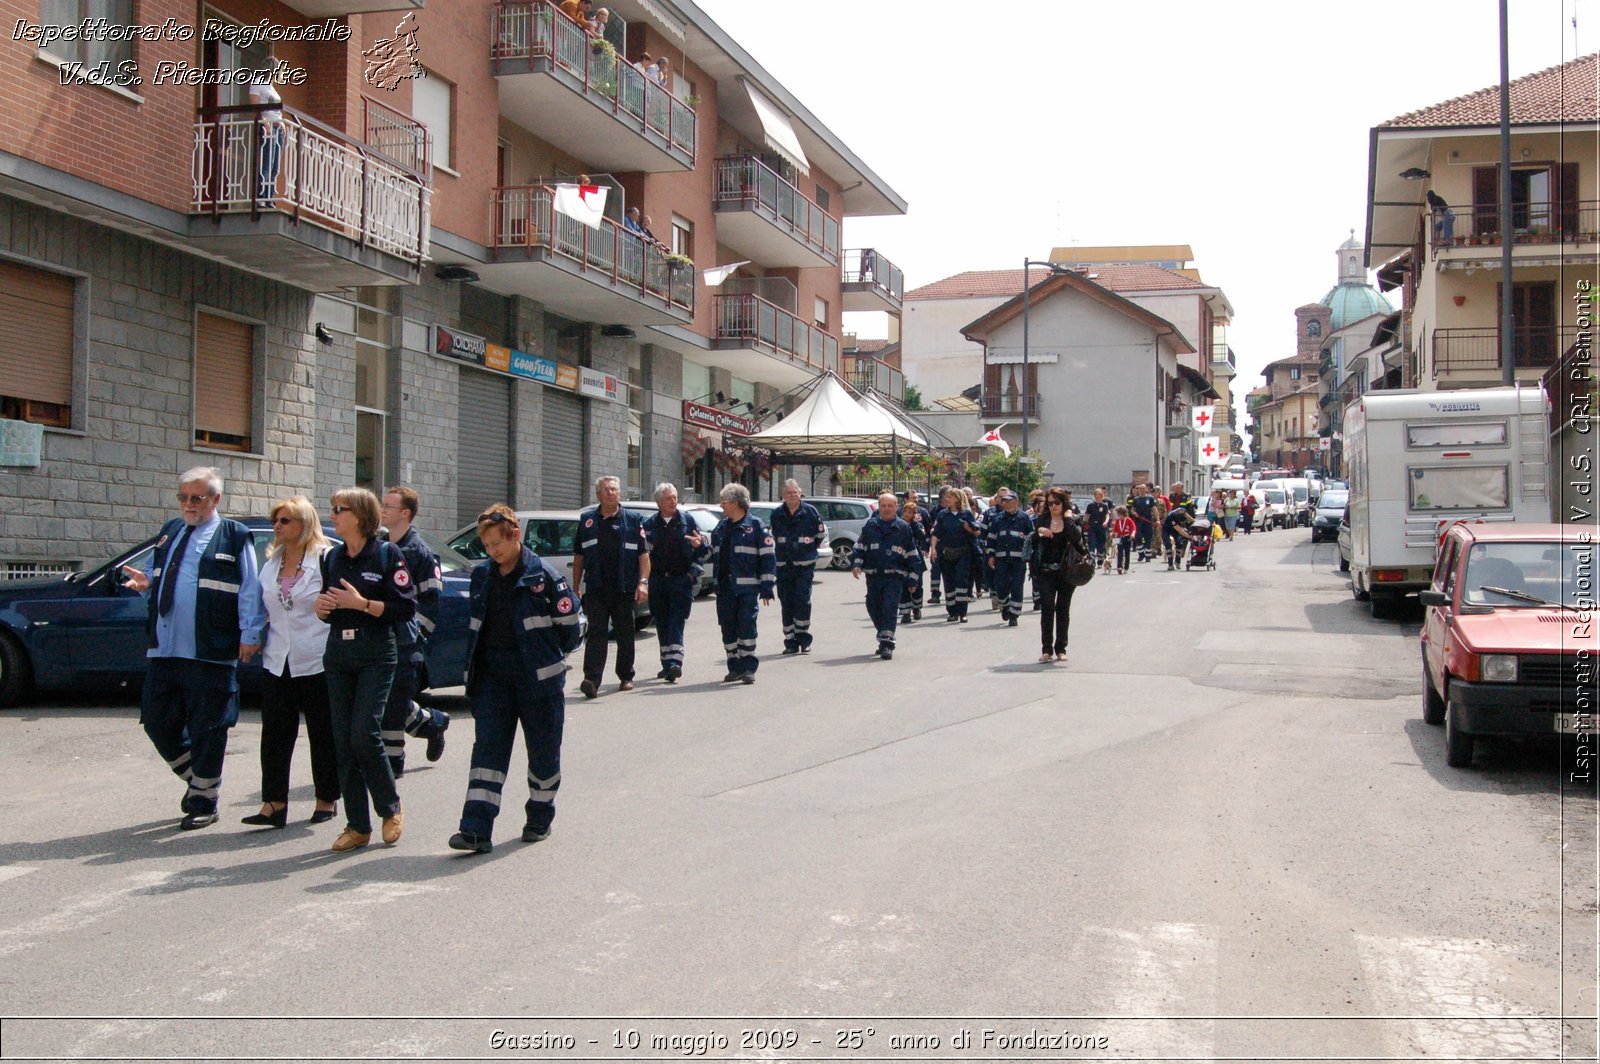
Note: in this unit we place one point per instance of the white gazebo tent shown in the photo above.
(831, 426)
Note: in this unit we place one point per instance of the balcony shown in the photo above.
(1005, 406)
(761, 215)
(863, 372)
(1473, 232)
(608, 275)
(872, 282)
(306, 203)
(1474, 354)
(798, 350)
(576, 93)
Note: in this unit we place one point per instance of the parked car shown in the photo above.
(1330, 511)
(551, 534)
(763, 512)
(1506, 647)
(705, 518)
(87, 630)
(845, 519)
(1344, 541)
(1272, 506)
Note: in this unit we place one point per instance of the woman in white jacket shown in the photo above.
(294, 684)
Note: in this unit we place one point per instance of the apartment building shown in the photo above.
(1447, 261)
(369, 284)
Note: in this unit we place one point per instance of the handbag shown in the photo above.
(1076, 569)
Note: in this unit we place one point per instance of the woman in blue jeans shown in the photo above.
(366, 593)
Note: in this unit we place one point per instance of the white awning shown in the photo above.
(780, 133)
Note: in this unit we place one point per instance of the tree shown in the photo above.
(913, 400)
(998, 469)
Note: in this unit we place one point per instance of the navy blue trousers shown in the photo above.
(504, 696)
(671, 598)
(402, 716)
(360, 672)
(957, 582)
(883, 604)
(794, 597)
(736, 614)
(187, 708)
(1006, 579)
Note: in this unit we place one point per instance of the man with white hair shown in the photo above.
(206, 615)
(887, 552)
(745, 568)
(797, 531)
(677, 557)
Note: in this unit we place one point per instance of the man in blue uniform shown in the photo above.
(677, 556)
(1007, 545)
(205, 616)
(612, 566)
(797, 529)
(402, 715)
(935, 570)
(887, 553)
(985, 573)
(525, 621)
(746, 567)
(1144, 518)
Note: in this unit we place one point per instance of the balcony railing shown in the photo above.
(301, 167)
(1005, 404)
(1531, 223)
(525, 218)
(540, 30)
(743, 181)
(866, 266)
(397, 135)
(864, 371)
(1467, 350)
(751, 320)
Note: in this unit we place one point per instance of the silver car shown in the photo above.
(845, 519)
(551, 534)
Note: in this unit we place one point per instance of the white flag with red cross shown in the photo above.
(1203, 418)
(585, 203)
(992, 438)
(1210, 450)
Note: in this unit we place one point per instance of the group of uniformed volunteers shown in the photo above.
(343, 628)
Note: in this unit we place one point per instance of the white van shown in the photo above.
(1301, 503)
(1272, 505)
(1422, 461)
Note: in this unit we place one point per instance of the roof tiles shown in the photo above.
(1569, 92)
(981, 284)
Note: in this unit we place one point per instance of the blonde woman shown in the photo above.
(296, 640)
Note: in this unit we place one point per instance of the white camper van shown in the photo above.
(1422, 461)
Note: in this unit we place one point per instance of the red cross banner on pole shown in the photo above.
(1209, 448)
(992, 438)
(1202, 417)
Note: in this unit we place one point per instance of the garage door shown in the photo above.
(565, 486)
(483, 444)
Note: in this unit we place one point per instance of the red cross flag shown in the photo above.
(992, 438)
(1210, 451)
(1202, 417)
(585, 203)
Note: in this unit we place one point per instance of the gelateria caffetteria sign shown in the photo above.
(709, 417)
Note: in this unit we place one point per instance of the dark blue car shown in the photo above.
(87, 630)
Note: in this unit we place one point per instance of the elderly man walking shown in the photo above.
(206, 615)
(745, 568)
(677, 556)
(887, 552)
(612, 567)
(797, 531)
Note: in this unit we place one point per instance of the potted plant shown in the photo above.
(680, 262)
(693, 101)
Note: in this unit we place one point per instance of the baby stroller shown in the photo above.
(1202, 546)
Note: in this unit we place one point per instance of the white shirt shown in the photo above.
(294, 632)
(267, 93)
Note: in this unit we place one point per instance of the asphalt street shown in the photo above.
(1221, 829)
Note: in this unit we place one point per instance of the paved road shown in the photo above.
(1225, 805)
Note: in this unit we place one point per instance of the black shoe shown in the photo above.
(806, 649)
(787, 650)
(533, 834)
(278, 818)
(397, 767)
(662, 675)
(436, 746)
(590, 689)
(322, 816)
(747, 677)
(951, 618)
(916, 615)
(1012, 622)
(885, 653)
(197, 820)
(672, 673)
(963, 618)
(471, 843)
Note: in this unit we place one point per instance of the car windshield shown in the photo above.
(1275, 498)
(1333, 500)
(1301, 493)
(1525, 575)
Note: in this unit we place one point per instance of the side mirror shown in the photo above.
(1433, 598)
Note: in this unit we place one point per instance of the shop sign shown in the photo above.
(599, 385)
(462, 346)
(709, 417)
(465, 347)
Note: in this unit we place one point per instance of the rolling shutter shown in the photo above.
(483, 444)
(35, 335)
(224, 381)
(564, 484)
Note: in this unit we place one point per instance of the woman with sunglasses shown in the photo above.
(1060, 538)
(366, 592)
(296, 641)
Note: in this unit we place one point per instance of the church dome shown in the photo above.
(1352, 302)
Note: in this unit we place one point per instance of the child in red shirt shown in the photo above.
(1123, 528)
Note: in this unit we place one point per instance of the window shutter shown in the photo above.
(224, 378)
(1485, 200)
(35, 334)
(1565, 178)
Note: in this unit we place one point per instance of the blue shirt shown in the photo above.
(175, 631)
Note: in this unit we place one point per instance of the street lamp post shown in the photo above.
(1027, 283)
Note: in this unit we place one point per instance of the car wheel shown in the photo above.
(1432, 701)
(1457, 743)
(841, 554)
(15, 674)
(1344, 564)
(1359, 593)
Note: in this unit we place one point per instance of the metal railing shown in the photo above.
(540, 30)
(866, 266)
(244, 162)
(751, 320)
(397, 135)
(1004, 404)
(525, 218)
(1478, 224)
(745, 182)
(864, 371)
(1465, 350)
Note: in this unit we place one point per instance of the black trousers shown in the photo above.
(608, 610)
(1055, 611)
(283, 699)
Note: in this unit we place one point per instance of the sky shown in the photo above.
(1238, 127)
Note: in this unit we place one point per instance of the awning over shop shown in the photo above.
(899, 424)
(780, 135)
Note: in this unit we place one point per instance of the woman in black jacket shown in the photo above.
(1061, 543)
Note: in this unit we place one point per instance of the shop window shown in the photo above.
(224, 382)
(37, 344)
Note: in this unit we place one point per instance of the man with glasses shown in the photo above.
(205, 616)
(402, 715)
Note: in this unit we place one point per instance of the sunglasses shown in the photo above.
(496, 518)
(193, 500)
(283, 520)
(337, 510)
